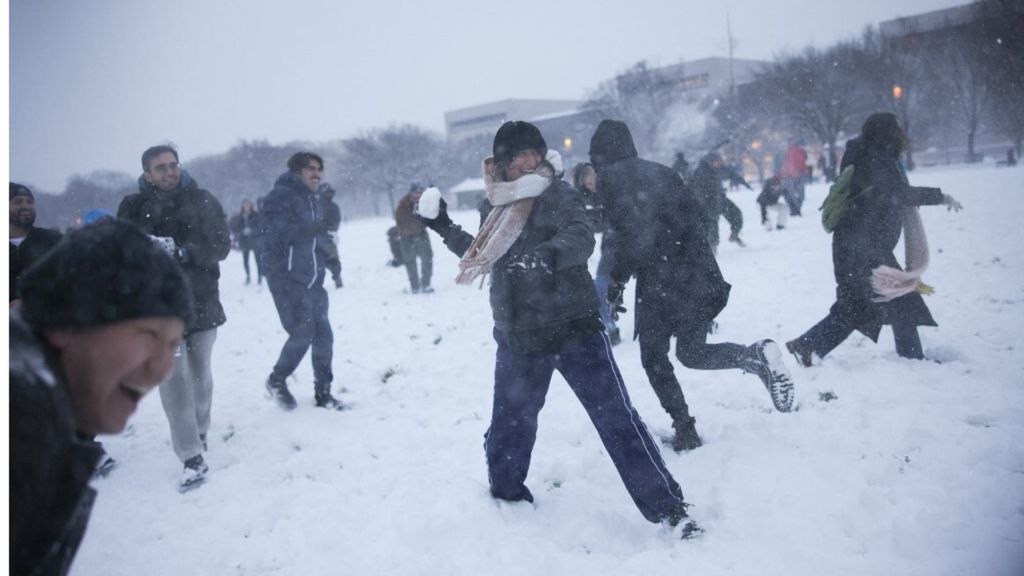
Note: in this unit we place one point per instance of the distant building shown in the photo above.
(714, 76)
(484, 120)
(904, 32)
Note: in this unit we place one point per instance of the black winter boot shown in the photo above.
(802, 351)
(685, 438)
(278, 391)
(324, 399)
(688, 527)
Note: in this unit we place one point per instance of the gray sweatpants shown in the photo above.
(188, 394)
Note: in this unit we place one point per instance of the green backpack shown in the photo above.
(840, 195)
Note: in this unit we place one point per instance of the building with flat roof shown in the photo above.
(713, 76)
(485, 119)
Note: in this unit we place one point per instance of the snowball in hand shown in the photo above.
(430, 203)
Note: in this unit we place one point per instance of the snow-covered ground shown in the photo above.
(914, 468)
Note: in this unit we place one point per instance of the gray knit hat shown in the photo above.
(101, 274)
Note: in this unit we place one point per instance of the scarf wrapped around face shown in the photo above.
(512, 203)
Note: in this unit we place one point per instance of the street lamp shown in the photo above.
(897, 92)
(567, 143)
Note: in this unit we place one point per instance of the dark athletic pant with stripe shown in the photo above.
(520, 385)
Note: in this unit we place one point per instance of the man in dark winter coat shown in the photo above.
(864, 239)
(535, 243)
(191, 224)
(28, 243)
(660, 237)
(415, 241)
(294, 261)
(101, 317)
(706, 183)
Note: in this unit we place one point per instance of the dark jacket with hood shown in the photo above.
(246, 228)
(869, 230)
(37, 242)
(659, 234)
(706, 184)
(540, 310)
(196, 221)
(295, 238)
(50, 467)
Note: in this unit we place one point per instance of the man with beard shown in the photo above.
(660, 236)
(28, 243)
(295, 263)
(190, 223)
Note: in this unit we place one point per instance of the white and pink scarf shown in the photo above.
(891, 283)
(512, 203)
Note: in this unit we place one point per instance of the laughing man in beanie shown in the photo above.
(191, 224)
(101, 317)
(535, 244)
(28, 242)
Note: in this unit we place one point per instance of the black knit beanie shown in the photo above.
(101, 274)
(514, 137)
(19, 190)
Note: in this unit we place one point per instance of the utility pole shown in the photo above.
(732, 73)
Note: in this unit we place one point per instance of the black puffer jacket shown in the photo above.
(867, 234)
(659, 234)
(37, 242)
(540, 310)
(50, 469)
(196, 221)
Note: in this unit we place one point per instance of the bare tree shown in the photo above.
(386, 161)
(819, 92)
(998, 37)
(640, 97)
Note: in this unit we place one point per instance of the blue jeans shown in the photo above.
(521, 384)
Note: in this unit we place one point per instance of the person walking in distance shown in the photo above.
(332, 217)
(415, 241)
(245, 227)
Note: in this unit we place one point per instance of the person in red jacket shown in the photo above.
(794, 176)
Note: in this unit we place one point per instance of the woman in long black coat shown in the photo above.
(865, 239)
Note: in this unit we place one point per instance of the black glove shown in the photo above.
(615, 291)
(442, 223)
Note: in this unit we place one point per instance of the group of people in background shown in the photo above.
(119, 306)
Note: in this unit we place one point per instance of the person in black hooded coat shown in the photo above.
(865, 239)
(660, 236)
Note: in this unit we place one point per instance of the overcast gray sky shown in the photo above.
(95, 82)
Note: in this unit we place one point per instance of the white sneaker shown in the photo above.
(194, 474)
